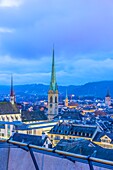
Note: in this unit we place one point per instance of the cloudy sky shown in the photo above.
(82, 33)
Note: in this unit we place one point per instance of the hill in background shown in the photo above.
(96, 89)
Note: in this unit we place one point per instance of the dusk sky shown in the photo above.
(82, 33)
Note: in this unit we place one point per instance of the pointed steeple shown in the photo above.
(108, 93)
(53, 93)
(11, 92)
(12, 95)
(66, 99)
(53, 84)
(66, 94)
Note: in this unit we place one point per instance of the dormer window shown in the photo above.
(105, 139)
(3, 118)
(71, 132)
(83, 134)
(75, 133)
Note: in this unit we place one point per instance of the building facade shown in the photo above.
(72, 131)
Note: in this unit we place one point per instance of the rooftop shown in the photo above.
(8, 108)
(85, 147)
(30, 139)
(33, 116)
(73, 129)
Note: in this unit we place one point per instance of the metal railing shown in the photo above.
(67, 155)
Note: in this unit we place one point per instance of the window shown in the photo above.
(72, 132)
(34, 131)
(50, 105)
(16, 117)
(2, 134)
(29, 131)
(51, 99)
(57, 137)
(3, 118)
(12, 118)
(105, 140)
(83, 134)
(75, 133)
(55, 99)
(79, 133)
(7, 118)
(90, 134)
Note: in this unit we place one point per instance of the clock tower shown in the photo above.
(53, 93)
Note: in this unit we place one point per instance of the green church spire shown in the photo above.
(53, 84)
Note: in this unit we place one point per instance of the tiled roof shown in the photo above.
(85, 147)
(8, 108)
(33, 116)
(70, 115)
(73, 130)
(66, 145)
(30, 139)
(73, 104)
(98, 136)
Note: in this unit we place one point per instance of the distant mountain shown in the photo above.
(97, 89)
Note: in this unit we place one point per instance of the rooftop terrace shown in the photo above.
(20, 156)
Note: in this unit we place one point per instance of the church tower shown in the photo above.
(12, 95)
(53, 93)
(108, 99)
(66, 100)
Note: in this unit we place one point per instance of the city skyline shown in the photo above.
(81, 32)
